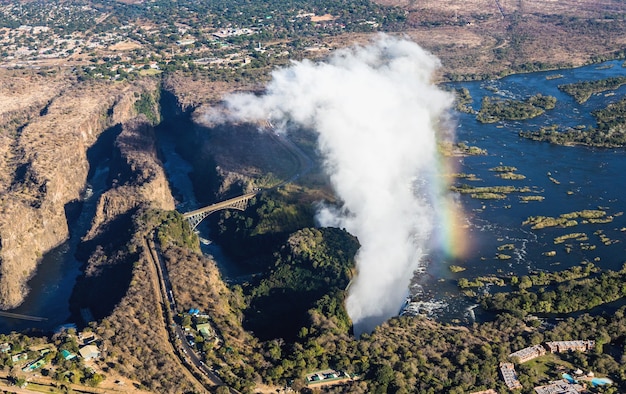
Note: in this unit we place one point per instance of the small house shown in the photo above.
(19, 357)
(5, 347)
(89, 352)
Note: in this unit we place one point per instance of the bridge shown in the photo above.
(22, 317)
(239, 203)
(304, 165)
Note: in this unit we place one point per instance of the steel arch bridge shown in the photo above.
(239, 203)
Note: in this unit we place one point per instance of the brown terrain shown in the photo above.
(49, 121)
(490, 36)
(138, 175)
(48, 124)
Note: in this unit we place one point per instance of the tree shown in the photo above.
(222, 390)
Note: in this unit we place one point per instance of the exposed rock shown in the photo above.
(192, 92)
(45, 165)
(137, 175)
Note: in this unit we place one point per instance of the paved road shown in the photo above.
(189, 358)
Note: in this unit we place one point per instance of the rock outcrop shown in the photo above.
(136, 173)
(45, 137)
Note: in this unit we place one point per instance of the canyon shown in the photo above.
(49, 123)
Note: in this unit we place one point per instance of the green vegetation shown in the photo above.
(268, 221)
(468, 177)
(511, 176)
(488, 192)
(494, 109)
(147, 105)
(541, 278)
(610, 132)
(564, 220)
(507, 172)
(311, 271)
(531, 198)
(503, 169)
(464, 101)
(174, 229)
(581, 91)
(570, 296)
(481, 281)
(456, 268)
(575, 236)
(460, 149)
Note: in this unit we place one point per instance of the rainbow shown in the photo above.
(450, 235)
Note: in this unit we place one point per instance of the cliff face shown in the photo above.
(45, 137)
(137, 175)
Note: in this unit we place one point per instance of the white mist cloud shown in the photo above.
(375, 110)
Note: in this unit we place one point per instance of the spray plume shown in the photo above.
(376, 111)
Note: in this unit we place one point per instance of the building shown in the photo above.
(490, 391)
(510, 376)
(570, 346)
(86, 338)
(206, 330)
(89, 352)
(19, 357)
(328, 376)
(528, 353)
(5, 347)
(560, 387)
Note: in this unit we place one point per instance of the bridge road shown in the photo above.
(240, 203)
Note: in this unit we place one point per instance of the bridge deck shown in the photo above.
(220, 205)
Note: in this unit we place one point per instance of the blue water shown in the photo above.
(569, 378)
(600, 382)
(594, 381)
(588, 178)
(52, 285)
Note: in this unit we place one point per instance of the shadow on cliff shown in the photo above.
(106, 262)
(190, 140)
(108, 270)
(98, 155)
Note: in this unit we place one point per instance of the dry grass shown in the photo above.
(124, 46)
(473, 37)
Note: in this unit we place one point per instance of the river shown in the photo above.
(570, 178)
(52, 285)
(587, 179)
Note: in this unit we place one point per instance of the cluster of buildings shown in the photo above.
(535, 351)
(41, 40)
(507, 370)
(202, 327)
(88, 350)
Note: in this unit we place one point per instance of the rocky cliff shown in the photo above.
(44, 140)
(137, 179)
(137, 176)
